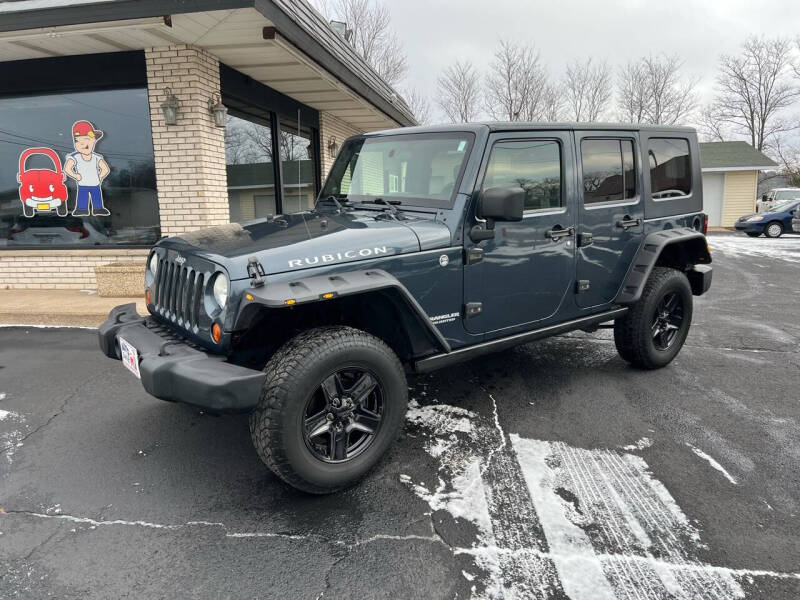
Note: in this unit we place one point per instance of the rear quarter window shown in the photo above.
(670, 168)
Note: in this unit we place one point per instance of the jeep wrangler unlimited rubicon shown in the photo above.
(427, 246)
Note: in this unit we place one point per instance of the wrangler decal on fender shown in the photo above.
(337, 257)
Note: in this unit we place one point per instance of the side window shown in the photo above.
(670, 168)
(533, 165)
(609, 171)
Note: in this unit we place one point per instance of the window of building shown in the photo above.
(670, 168)
(609, 173)
(297, 163)
(77, 169)
(250, 168)
(533, 165)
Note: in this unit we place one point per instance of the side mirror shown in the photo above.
(501, 204)
(764, 198)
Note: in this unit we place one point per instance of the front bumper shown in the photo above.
(176, 371)
(755, 227)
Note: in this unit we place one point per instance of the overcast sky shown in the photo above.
(438, 32)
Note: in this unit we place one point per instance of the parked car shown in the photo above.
(776, 196)
(51, 229)
(465, 240)
(773, 223)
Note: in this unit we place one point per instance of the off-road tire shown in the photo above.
(752, 234)
(633, 332)
(293, 373)
(778, 230)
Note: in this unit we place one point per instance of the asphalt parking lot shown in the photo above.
(549, 471)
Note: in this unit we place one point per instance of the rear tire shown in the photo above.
(773, 230)
(654, 329)
(317, 403)
(752, 234)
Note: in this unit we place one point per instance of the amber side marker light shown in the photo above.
(328, 296)
(289, 302)
(147, 296)
(248, 296)
(216, 332)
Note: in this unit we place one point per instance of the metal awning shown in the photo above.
(295, 52)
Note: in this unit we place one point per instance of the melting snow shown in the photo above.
(640, 444)
(713, 463)
(784, 248)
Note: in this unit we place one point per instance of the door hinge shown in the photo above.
(472, 309)
(474, 255)
(581, 285)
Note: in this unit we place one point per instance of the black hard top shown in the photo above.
(534, 126)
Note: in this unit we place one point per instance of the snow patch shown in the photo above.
(640, 444)
(710, 460)
(785, 248)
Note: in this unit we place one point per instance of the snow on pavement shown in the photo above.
(785, 248)
(554, 521)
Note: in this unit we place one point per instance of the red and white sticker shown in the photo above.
(130, 357)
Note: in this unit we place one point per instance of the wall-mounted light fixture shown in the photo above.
(170, 108)
(333, 147)
(217, 109)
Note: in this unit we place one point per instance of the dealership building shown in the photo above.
(194, 113)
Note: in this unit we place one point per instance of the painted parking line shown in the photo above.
(556, 521)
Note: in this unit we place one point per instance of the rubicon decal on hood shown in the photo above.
(337, 257)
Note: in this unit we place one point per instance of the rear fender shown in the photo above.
(682, 248)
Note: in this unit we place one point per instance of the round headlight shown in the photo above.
(153, 263)
(221, 289)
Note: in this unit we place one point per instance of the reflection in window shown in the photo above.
(251, 177)
(128, 213)
(608, 170)
(535, 166)
(670, 168)
(297, 164)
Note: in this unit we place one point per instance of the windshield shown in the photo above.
(786, 195)
(420, 169)
(784, 206)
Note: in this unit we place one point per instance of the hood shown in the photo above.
(307, 240)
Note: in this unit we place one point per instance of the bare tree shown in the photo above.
(419, 105)
(459, 92)
(551, 103)
(754, 88)
(652, 90)
(587, 87)
(517, 85)
(372, 35)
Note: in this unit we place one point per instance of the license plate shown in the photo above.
(44, 206)
(130, 357)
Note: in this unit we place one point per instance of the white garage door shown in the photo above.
(713, 193)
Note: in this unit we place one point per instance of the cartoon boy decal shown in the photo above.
(88, 169)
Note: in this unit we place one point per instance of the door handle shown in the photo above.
(627, 222)
(558, 232)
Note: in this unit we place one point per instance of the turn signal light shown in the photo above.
(216, 332)
(289, 302)
(147, 296)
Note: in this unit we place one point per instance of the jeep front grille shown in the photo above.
(178, 293)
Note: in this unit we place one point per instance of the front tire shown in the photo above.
(654, 329)
(333, 402)
(773, 230)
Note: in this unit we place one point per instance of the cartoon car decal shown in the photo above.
(42, 190)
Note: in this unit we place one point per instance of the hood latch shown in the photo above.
(255, 271)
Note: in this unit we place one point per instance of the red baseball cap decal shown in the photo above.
(85, 128)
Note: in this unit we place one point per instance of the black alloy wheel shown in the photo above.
(343, 415)
(667, 320)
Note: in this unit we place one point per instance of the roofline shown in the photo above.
(752, 168)
(121, 10)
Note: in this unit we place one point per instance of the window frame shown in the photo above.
(69, 74)
(637, 197)
(690, 174)
(532, 212)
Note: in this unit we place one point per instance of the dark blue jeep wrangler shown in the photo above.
(427, 246)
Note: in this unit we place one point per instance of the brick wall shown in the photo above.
(330, 126)
(190, 156)
(59, 269)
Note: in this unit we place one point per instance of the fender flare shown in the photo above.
(647, 256)
(316, 289)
